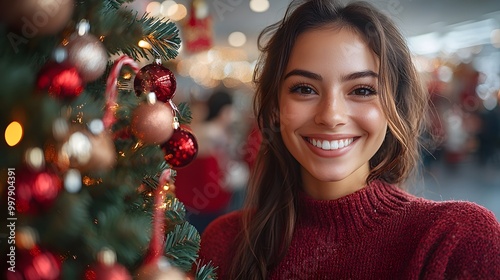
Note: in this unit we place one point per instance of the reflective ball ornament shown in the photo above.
(36, 18)
(181, 149)
(152, 123)
(88, 55)
(155, 78)
(36, 191)
(61, 80)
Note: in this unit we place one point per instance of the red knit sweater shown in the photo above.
(379, 232)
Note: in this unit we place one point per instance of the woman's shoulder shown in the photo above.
(459, 239)
(218, 240)
(224, 227)
(457, 213)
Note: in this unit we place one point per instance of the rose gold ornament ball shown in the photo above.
(88, 55)
(34, 18)
(152, 123)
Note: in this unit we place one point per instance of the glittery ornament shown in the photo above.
(36, 191)
(106, 268)
(33, 264)
(152, 123)
(62, 80)
(159, 270)
(35, 18)
(155, 78)
(88, 55)
(181, 148)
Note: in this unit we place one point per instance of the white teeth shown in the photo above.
(335, 144)
(331, 145)
(341, 144)
(325, 145)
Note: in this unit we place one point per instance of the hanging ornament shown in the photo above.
(155, 78)
(160, 269)
(34, 264)
(152, 121)
(62, 80)
(87, 53)
(198, 28)
(106, 268)
(181, 148)
(36, 191)
(35, 18)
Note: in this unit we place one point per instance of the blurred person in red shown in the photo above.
(203, 185)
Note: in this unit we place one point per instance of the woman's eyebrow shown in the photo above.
(303, 73)
(358, 75)
(315, 76)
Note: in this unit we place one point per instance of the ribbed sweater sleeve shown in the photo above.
(379, 232)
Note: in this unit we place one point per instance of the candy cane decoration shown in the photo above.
(111, 88)
(158, 236)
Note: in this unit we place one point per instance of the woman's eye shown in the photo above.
(364, 91)
(302, 89)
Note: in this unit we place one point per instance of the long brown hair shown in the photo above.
(271, 206)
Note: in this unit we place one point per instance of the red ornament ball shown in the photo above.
(155, 78)
(36, 191)
(35, 264)
(181, 149)
(152, 123)
(62, 80)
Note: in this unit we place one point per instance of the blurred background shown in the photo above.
(456, 47)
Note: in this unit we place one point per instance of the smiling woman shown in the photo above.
(341, 108)
(331, 118)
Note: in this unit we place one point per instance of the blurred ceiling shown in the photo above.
(415, 17)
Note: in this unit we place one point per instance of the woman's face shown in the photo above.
(331, 119)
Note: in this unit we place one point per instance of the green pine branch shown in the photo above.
(207, 271)
(182, 245)
(184, 116)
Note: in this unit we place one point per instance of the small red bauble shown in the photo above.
(36, 191)
(155, 78)
(35, 264)
(181, 148)
(62, 80)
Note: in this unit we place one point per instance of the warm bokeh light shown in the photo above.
(34, 158)
(177, 12)
(259, 6)
(153, 8)
(165, 6)
(237, 39)
(143, 44)
(13, 133)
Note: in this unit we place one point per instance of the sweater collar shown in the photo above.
(362, 209)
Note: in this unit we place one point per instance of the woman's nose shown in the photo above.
(332, 111)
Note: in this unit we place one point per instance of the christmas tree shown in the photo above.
(91, 145)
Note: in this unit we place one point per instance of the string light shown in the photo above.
(13, 133)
